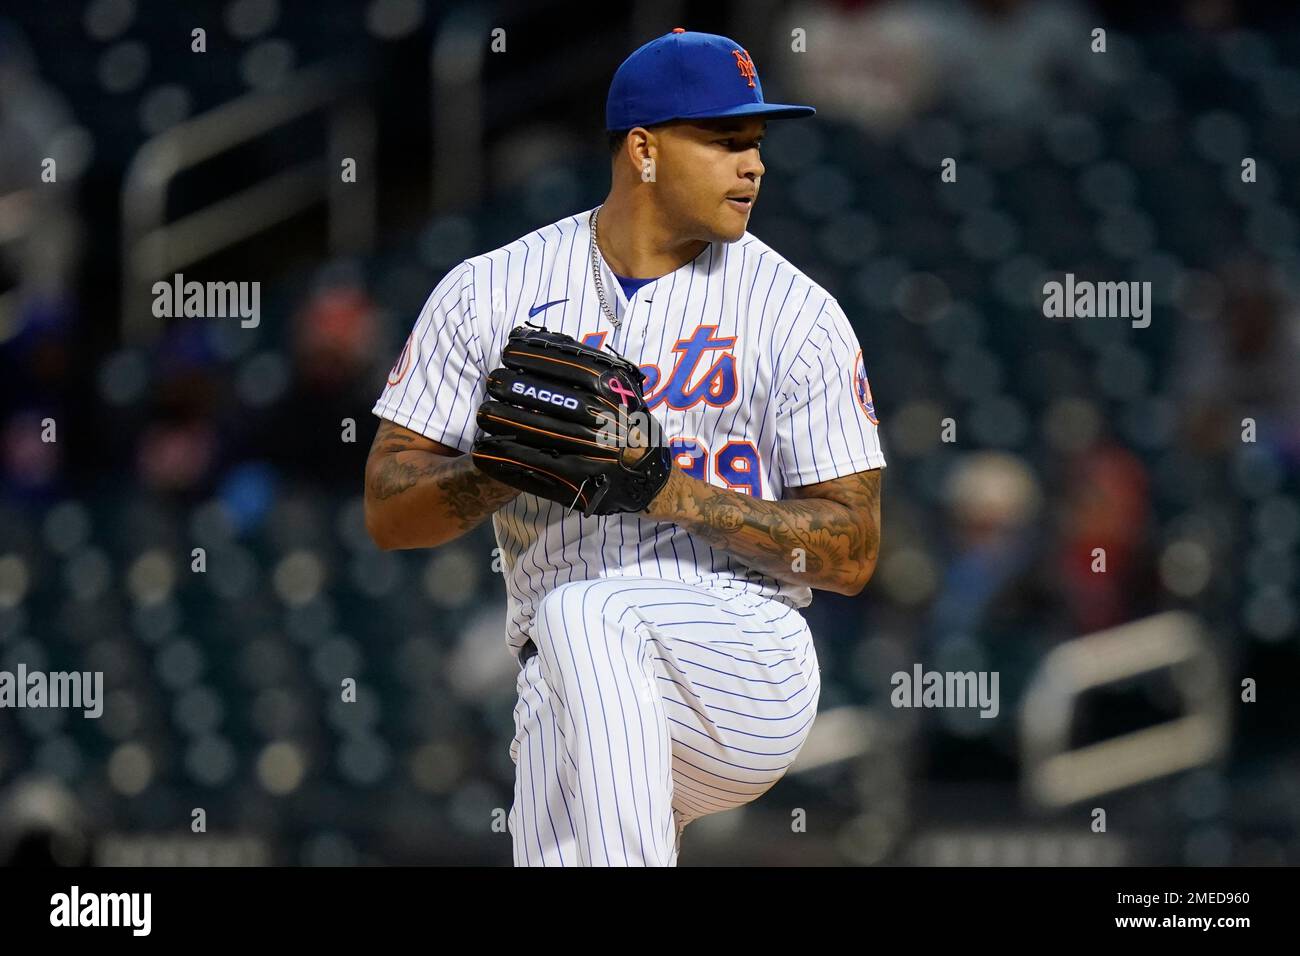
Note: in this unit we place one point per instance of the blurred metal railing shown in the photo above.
(1056, 775)
(153, 247)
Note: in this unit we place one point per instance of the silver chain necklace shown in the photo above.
(595, 272)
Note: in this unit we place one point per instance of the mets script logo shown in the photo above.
(862, 388)
(403, 363)
(745, 64)
(686, 384)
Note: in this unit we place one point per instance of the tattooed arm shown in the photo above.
(836, 523)
(420, 493)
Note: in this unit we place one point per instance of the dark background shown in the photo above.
(1071, 435)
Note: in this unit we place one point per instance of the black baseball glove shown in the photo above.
(569, 423)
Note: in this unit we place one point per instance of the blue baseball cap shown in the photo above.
(688, 75)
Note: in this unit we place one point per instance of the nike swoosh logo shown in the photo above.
(545, 305)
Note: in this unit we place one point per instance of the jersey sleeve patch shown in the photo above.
(403, 363)
(862, 389)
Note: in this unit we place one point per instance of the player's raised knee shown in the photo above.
(579, 608)
(559, 610)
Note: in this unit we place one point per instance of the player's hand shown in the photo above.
(569, 423)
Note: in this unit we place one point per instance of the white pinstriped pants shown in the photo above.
(651, 703)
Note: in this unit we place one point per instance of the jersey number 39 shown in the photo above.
(735, 463)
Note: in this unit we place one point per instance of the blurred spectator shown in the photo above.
(867, 63)
(1242, 362)
(1106, 506)
(879, 65)
(31, 464)
(178, 450)
(335, 332)
(993, 579)
(335, 343)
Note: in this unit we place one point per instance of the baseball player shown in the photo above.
(672, 430)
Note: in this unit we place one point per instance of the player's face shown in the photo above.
(708, 173)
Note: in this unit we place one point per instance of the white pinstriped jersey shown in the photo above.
(752, 369)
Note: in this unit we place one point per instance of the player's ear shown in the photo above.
(640, 146)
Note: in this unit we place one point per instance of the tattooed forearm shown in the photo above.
(825, 535)
(471, 495)
(420, 494)
(391, 475)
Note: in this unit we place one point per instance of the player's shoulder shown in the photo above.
(805, 292)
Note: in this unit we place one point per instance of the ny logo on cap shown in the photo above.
(745, 64)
